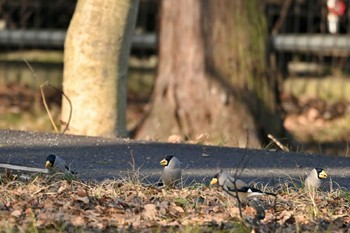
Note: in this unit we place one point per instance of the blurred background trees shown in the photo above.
(287, 64)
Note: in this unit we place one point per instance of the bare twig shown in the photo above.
(135, 173)
(132, 162)
(46, 107)
(238, 172)
(48, 112)
(44, 99)
(283, 14)
(42, 94)
(31, 68)
(278, 143)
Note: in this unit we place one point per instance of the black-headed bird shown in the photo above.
(171, 175)
(315, 178)
(58, 164)
(235, 187)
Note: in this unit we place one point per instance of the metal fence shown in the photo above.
(309, 31)
(35, 31)
(38, 23)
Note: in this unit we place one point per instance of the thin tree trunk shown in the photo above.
(95, 66)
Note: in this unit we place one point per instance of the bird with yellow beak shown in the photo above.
(235, 187)
(57, 164)
(171, 175)
(315, 179)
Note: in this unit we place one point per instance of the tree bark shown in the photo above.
(95, 66)
(211, 73)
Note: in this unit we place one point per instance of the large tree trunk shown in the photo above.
(211, 73)
(95, 66)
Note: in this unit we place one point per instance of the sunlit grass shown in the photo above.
(33, 56)
(30, 121)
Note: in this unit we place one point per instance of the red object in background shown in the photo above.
(338, 9)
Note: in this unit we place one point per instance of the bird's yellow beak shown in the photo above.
(323, 175)
(213, 181)
(48, 164)
(163, 162)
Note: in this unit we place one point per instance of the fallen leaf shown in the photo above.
(29, 211)
(179, 210)
(176, 211)
(77, 220)
(85, 199)
(215, 209)
(162, 211)
(284, 216)
(16, 213)
(48, 204)
(149, 212)
(63, 187)
(42, 216)
(301, 219)
(234, 212)
(81, 192)
(175, 138)
(119, 219)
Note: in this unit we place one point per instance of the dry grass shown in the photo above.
(51, 204)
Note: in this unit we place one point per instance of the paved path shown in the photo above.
(98, 158)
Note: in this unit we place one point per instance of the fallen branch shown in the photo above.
(23, 168)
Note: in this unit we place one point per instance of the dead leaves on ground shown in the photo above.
(120, 205)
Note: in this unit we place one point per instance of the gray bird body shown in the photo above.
(315, 179)
(227, 181)
(58, 164)
(236, 187)
(171, 175)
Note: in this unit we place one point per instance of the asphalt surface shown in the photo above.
(100, 158)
